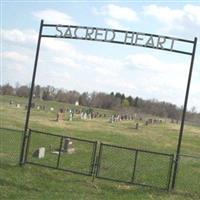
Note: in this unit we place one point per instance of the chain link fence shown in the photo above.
(135, 166)
(111, 162)
(188, 178)
(10, 146)
(61, 152)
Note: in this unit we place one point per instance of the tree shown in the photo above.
(84, 99)
(7, 89)
(72, 96)
(49, 93)
(37, 91)
(125, 103)
(130, 100)
(112, 94)
(136, 102)
(193, 109)
(61, 96)
(22, 91)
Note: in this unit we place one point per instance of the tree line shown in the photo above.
(116, 101)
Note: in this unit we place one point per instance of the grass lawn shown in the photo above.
(34, 182)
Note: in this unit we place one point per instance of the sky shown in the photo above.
(98, 66)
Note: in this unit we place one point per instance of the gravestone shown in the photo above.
(38, 107)
(18, 105)
(60, 115)
(39, 153)
(82, 115)
(68, 146)
(111, 119)
(70, 116)
(89, 116)
(155, 121)
(136, 126)
(85, 116)
(150, 121)
(52, 109)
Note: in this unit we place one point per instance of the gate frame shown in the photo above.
(26, 126)
(135, 153)
(61, 137)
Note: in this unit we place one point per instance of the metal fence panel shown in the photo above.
(134, 166)
(10, 146)
(188, 179)
(80, 160)
(154, 169)
(115, 163)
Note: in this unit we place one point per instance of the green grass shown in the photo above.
(33, 182)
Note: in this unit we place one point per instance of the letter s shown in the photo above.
(60, 31)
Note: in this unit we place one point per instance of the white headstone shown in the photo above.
(39, 153)
(52, 109)
(82, 115)
(85, 116)
(70, 117)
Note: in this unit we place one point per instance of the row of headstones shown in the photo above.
(33, 105)
(83, 116)
(174, 121)
(86, 113)
(68, 148)
(39, 107)
(115, 118)
(149, 121)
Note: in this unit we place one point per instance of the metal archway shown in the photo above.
(131, 38)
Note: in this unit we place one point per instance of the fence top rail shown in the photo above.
(190, 156)
(139, 150)
(10, 129)
(64, 136)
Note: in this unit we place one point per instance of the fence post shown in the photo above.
(183, 116)
(94, 161)
(60, 150)
(27, 145)
(31, 96)
(134, 168)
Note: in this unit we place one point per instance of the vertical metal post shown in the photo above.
(170, 172)
(183, 116)
(27, 146)
(93, 159)
(31, 96)
(60, 150)
(98, 160)
(134, 168)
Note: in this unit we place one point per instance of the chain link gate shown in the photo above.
(103, 161)
(80, 161)
(134, 166)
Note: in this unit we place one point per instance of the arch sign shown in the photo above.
(131, 38)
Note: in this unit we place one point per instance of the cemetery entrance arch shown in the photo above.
(131, 38)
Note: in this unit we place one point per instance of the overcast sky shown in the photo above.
(89, 66)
